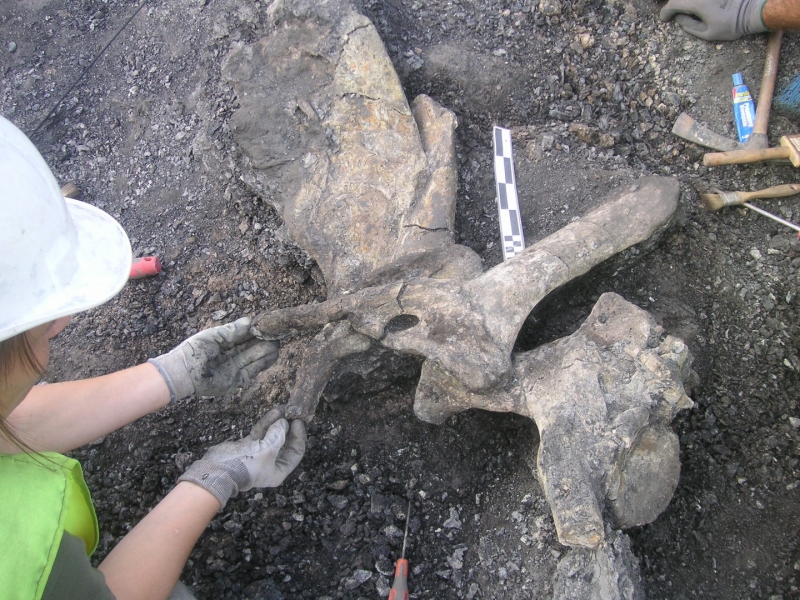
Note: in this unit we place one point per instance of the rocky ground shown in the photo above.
(590, 90)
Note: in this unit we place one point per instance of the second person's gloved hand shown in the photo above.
(262, 459)
(715, 19)
(215, 361)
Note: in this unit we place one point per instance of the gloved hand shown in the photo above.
(215, 361)
(716, 20)
(262, 459)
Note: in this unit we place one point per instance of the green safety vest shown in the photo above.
(41, 496)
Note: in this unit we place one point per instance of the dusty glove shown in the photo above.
(262, 459)
(716, 20)
(215, 361)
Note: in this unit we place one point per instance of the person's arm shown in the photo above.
(60, 417)
(148, 561)
(146, 564)
(63, 416)
(781, 14)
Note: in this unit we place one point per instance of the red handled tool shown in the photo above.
(400, 585)
(145, 267)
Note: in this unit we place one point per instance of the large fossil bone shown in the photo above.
(469, 327)
(366, 184)
(360, 178)
(602, 399)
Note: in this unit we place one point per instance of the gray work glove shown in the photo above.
(715, 19)
(262, 459)
(215, 361)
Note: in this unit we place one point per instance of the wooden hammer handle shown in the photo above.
(768, 84)
(70, 190)
(738, 157)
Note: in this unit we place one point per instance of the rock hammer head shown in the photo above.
(690, 130)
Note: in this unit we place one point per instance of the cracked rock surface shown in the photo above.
(321, 103)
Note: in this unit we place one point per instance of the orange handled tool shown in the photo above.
(400, 586)
(145, 267)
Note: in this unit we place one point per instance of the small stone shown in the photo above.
(456, 561)
(338, 502)
(550, 8)
(444, 573)
(359, 577)
(348, 528)
(218, 315)
(548, 141)
(453, 522)
(232, 526)
(12, 47)
(382, 587)
(586, 40)
(392, 531)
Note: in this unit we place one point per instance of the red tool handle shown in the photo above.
(400, 585)
(145, 267)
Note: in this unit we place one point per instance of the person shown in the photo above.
(732, 19)
(60, 257)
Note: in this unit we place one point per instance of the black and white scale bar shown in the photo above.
(508, 207)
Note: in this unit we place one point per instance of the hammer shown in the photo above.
(687, 128)
(789, 149)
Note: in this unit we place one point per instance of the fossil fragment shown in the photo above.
(360, 178)
(602, 399)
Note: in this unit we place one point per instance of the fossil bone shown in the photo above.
(469, 327)
(602, 399)
(366, 184)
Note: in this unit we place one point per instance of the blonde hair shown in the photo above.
(13, 352)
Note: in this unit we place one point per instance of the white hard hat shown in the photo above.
(58, 256)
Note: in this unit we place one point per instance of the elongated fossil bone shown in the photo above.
(469, 327)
